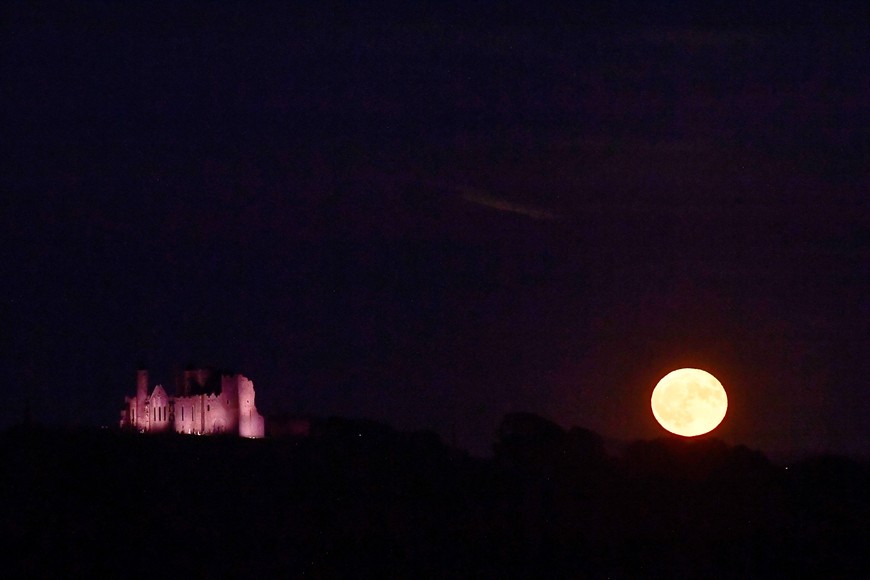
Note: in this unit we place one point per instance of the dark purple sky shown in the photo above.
(435, 218)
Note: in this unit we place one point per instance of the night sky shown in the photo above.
(435, 216)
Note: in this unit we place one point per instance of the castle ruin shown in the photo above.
(206, 402)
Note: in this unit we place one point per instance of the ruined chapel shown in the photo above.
(206, 402)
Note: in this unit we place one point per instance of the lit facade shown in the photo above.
(205, 403)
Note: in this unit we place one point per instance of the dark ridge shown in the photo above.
(358, 494)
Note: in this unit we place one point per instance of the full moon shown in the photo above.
(689, 402)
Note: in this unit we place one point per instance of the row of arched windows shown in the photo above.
(160, 413)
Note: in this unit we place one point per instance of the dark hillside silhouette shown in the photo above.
(361, 499)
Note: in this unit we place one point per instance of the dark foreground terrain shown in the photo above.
(361, 500)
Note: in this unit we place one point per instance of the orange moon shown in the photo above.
(689, 402)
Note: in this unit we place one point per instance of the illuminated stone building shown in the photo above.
(205, 403)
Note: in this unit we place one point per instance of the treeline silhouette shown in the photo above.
(359, 499)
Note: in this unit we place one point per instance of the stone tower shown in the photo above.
(141, 417)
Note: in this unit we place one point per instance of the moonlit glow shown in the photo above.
(689, 402)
